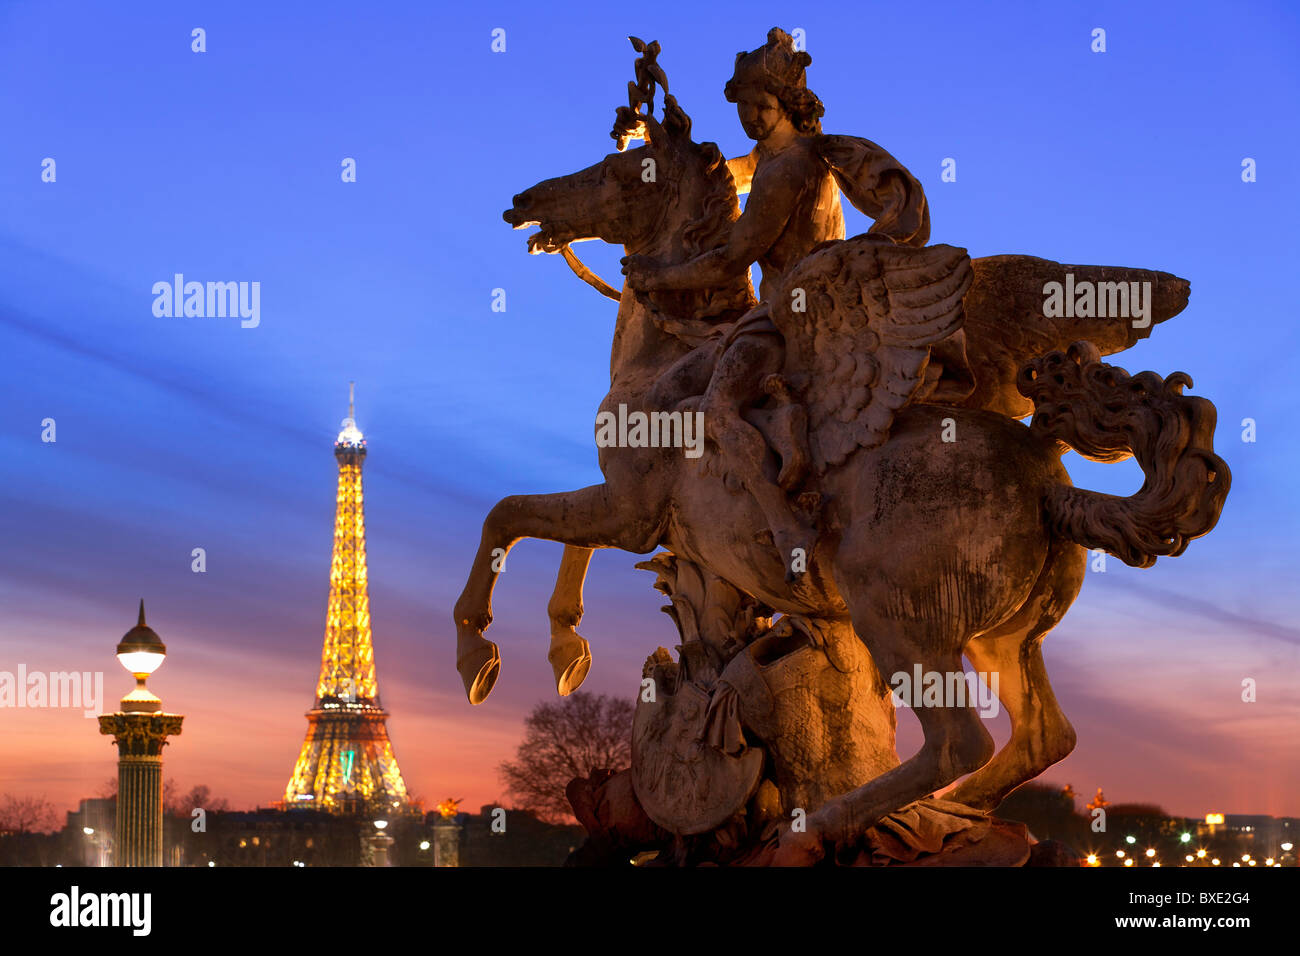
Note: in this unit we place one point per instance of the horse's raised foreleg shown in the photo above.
(590, 517)
(570, 654)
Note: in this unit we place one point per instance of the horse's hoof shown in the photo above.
(479, 663)
(570, 658)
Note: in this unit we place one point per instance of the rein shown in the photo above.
(587, 276)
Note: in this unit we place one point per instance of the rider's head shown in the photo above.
(768, 86)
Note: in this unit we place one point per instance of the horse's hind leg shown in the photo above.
(570, 654)
(1040, 733)
(955, 740)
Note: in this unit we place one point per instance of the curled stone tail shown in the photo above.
(1105, 414)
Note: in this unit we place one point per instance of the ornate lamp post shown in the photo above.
(446, 835)
(140, 729)
(378, 845)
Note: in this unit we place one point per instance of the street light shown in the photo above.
(140, 730)
(141, 652)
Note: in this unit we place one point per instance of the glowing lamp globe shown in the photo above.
(141, 652)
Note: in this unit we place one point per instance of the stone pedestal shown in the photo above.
(140, 739)
(446, 843)
(378, 844)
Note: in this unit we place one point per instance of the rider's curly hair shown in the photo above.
(778, 68)
(803, 107)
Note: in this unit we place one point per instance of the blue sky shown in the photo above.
(175, 433)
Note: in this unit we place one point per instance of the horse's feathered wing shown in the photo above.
(858, 318)
(1006, 325)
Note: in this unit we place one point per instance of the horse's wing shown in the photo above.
(1006, 325)
(858, 318)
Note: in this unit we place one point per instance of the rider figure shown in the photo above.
(793, 207)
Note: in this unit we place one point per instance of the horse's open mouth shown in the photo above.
(546, 240)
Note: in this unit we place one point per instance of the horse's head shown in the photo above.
(670, 198)
(645, 199)
(609, 200)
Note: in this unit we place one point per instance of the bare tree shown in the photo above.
(571, 738)
(183, 806)
(109, 790)
(27, 815)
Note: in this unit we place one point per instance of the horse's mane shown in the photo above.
(721, 205)
(704, 233)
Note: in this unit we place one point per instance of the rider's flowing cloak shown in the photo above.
(879, 186)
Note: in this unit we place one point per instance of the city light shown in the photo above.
(1128, 862)
(1214, 818)
(1130, 839)
(1151, 852)
(1186, 838)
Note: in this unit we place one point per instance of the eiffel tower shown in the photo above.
(347, 763)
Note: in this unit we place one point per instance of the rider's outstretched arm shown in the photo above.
(770, 205)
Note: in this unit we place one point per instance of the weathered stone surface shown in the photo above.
(836, 472)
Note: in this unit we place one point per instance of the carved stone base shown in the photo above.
(753, 727)
(927, 833)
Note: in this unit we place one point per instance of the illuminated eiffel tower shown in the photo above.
(347, 763)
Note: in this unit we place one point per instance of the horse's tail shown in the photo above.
(1106, 415)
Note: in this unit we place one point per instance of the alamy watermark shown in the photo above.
(946, 689)
(638, 429)
(83, 689)
(75, 909)
(215, 300)
(1102, 300)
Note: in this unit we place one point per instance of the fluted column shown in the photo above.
(140, 739)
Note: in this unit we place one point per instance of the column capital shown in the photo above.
(140, 735)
